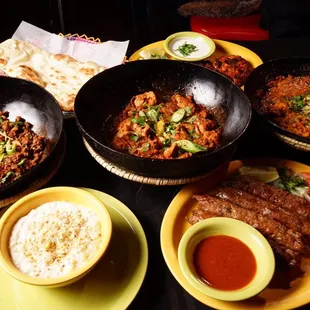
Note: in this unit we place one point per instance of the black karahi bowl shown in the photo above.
(102, 98)
(257, 83)
(37, 106)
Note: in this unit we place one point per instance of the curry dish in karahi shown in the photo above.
(287, 103)
(178, 128)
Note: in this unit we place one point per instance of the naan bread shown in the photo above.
(59, 74)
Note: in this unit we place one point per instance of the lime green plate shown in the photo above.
(112, 285)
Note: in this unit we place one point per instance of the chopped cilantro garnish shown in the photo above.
(297, 103)
(170, 129)
(188, 111)
(186, 49)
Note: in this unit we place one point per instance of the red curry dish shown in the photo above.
(178, 128)
(287, 102)
(21, 148)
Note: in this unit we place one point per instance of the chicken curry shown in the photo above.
(178, 128)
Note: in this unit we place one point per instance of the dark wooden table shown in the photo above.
(160, 290)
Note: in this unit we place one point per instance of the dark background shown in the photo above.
(141, 21)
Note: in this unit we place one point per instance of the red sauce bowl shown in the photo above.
(226, 259)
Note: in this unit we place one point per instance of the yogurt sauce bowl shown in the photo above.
(226, 259)
(189, 46)
(54, 236)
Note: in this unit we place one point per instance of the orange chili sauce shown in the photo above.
(224, 262)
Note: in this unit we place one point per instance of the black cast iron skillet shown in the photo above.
(268, 71)
(102, 98)
(40, 108)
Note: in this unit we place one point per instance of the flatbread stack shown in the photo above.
(59, 74)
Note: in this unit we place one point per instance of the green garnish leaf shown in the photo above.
(190, 146)
(139, 120)
(297, 103)
(145, 147)
(187, 49)
(291, 183)
(1, 120)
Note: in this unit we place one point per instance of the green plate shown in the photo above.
(111, 285)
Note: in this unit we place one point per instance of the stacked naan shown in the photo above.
(59, 74)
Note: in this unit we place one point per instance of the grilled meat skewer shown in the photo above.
(279, 197)
(268, 227)
(268, 209)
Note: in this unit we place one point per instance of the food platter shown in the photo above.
(223, 48)
(114, 282)
(289, 292)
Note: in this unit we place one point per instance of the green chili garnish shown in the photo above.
(189, 146)
(10, 173)
(10, 148)
(178, 115)
(21, 162)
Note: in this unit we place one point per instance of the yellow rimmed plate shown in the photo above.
(222, 48)
(287, 290)
(112, 284)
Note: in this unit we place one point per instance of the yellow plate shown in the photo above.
(112, 284)
(286, 290)
(223, 48)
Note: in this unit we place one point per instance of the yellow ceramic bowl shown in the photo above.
(189, 46)
(23, 206)
(261, 249)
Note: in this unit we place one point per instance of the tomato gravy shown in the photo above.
(224, 262)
